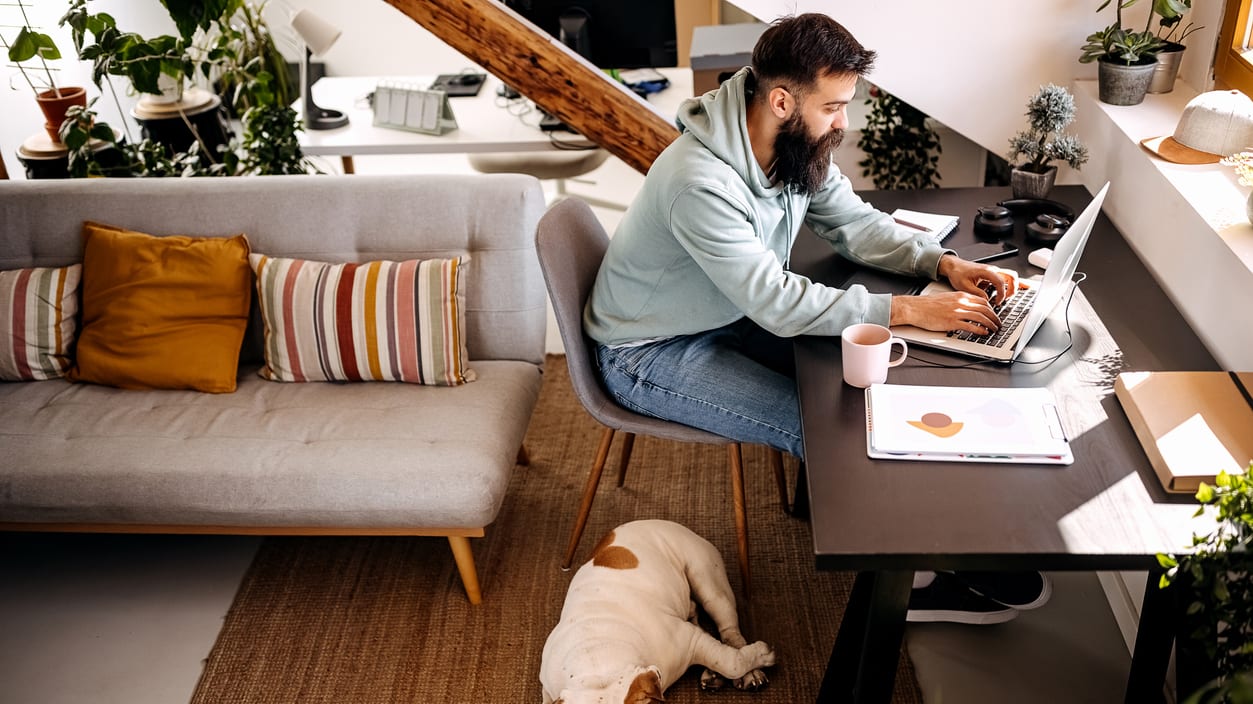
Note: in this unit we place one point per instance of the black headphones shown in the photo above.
(994, 221)
(1037, 206)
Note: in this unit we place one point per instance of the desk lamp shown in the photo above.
(318, 36)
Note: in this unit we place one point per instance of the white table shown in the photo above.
(485, 122)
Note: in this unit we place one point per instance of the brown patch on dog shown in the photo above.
(606, 554)
(616, 557)
(645, 688)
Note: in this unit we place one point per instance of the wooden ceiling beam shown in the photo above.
(548, 73)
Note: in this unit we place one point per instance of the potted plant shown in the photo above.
(1034, 150)
(1125, 60)
(1216, 577)
(1172, 31)
(53, 100)
(901, 146)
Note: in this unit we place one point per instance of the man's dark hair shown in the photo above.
(795, 51)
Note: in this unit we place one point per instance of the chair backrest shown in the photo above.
(571, 243)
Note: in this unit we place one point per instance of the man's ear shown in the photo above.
(645, 688)
(781, 102)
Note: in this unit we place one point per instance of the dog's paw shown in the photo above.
(754, 680)
(758, 654)
(711, 681)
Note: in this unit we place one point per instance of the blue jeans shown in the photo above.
(737, 381)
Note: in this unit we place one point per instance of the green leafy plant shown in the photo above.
(902, 149)
(1116, 44)
(1049, 111)
(1218, 576)
(28, 45)
(1170, 27)
(116, 53)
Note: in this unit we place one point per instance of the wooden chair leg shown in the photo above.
(628, 443)
(464, 558)
(780, 478)
(589, 495)
(524, 457)
(741, 514)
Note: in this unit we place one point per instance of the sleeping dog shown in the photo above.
(628, 628)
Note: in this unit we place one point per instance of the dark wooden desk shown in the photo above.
(1106, 511)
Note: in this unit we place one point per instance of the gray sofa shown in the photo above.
(286, 458)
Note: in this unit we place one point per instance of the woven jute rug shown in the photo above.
(363, 620)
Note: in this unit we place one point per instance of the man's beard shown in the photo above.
(801, 161)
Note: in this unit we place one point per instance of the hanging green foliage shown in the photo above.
(902, 149)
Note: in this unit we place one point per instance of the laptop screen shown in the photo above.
(1061, 268)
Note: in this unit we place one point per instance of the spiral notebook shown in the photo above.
(965, 424)
(934, 224)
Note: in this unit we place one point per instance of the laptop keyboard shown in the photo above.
(1011, 313)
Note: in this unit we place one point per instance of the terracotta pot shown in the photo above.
(1030, 184)
(54, 105)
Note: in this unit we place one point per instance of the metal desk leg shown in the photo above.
(1156, 634)
(867, 649)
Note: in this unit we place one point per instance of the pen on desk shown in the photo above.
(907, 223)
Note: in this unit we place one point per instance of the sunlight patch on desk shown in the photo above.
(1126, 498)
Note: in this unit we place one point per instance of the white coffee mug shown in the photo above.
(867, 348)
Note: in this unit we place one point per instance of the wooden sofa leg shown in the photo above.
(524, 457)
(464, 557)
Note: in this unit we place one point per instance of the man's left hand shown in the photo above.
(973, 277)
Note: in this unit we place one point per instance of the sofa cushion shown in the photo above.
(374, 321)
(355, 455)
(38, 320)
(162, 312)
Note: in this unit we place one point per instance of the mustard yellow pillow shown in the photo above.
(162, 312)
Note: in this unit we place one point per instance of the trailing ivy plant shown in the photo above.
(1218, 576)
(902, 149)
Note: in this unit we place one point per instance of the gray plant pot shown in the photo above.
(1029, 184)
(1167, 68)
(1120, 84)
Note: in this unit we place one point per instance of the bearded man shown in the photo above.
(694, 305)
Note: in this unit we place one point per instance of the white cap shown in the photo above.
(1213, 125)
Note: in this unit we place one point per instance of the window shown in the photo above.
(1233, 66)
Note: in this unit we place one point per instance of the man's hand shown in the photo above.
(955, 310)
(969, 308)
(972, 277)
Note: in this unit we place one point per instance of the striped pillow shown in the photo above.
(375, 321)
(38, 321)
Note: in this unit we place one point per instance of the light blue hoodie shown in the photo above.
(707, 240)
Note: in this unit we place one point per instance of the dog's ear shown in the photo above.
(645, 688)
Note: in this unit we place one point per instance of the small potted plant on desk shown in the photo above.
(1125, 60)
(53, 100)
(1049, 111)
(1216, 583)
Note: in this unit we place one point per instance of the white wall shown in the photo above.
(973, 65)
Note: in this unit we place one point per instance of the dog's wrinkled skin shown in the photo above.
(628, 628)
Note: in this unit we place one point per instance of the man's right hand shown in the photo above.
(956, 310)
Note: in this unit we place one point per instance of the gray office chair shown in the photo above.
(571, 244)
(552, 164)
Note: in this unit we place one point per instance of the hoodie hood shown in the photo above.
(719, 121)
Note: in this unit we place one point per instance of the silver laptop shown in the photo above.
(1024, 313)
